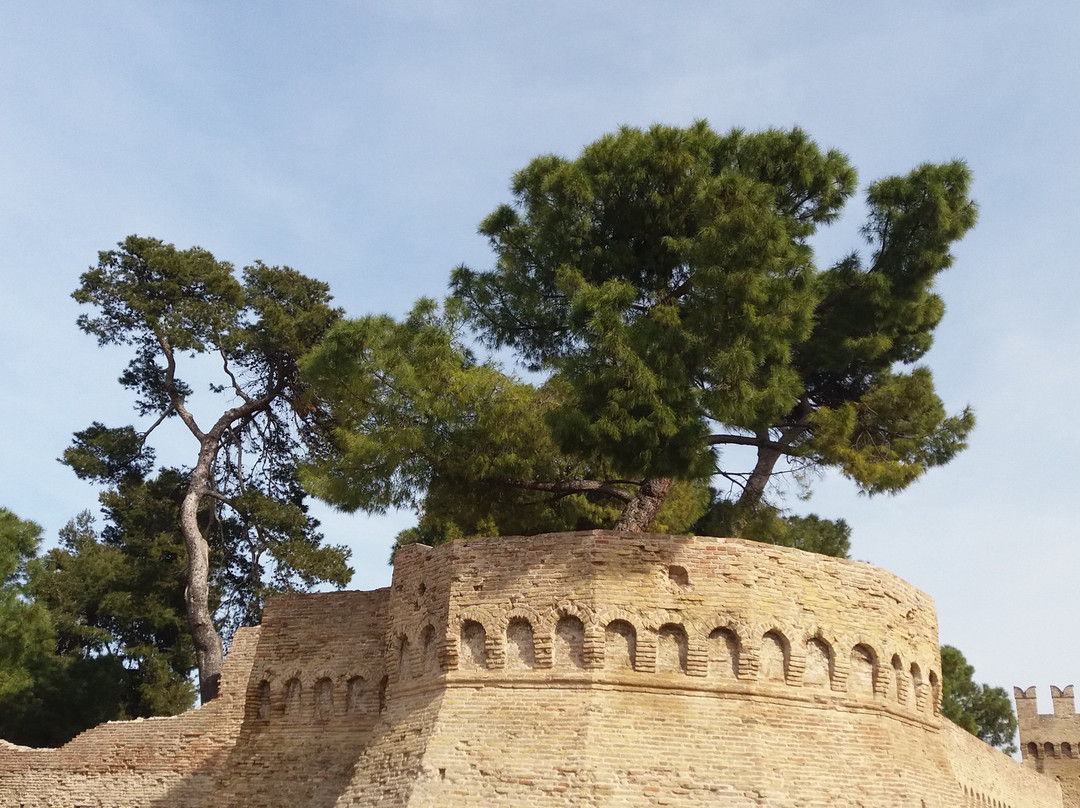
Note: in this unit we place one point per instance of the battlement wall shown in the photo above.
(1050, 744)
(127, 763)
(586, 668)
(320, 659)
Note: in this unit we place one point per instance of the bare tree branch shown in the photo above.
(607, 487)
(232, 378)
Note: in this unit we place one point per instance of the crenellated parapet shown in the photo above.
(1050, 743)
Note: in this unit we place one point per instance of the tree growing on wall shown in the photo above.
(241, 489)
(667, 276)
(422, 424)
(664, 283)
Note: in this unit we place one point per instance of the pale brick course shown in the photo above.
(1050, 744)
(589, 669)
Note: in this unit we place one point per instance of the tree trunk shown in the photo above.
(208, 646)
(642, 509)
(759, 477)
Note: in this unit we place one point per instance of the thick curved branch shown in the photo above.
(248, 408)
(210, 492)
(177, 400)
(606, 487)
(747, 440)
(232, 378)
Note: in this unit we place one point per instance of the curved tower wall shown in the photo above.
(697, 613)
(612, 669)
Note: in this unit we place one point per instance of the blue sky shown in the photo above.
(362, 143)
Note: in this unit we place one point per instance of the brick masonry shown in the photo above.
(580, 669)
(1050, 744)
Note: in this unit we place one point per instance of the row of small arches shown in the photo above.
(722, 655)
(349, 696)
(975, 799)
(1049, 750)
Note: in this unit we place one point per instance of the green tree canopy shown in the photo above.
(166, 304)
(664, 285)
(422, 424)
(667, 276)
(25, 632)
(96, 632)
(120, 593)
(984, 711)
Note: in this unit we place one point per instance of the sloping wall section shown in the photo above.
(167, 761)
(565, 670)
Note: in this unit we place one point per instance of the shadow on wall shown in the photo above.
(301, 743)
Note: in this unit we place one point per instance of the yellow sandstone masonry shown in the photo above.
(1050, 744)
(577, 669)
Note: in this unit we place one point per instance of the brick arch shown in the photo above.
(898, 678)
(324, 701)
(260, 702)
(620, 646)
(271, 677)
(311, 679)
(429, 649)
(614, 649)
(568, 640)
(409, 629)
(933, 679)
(292, 673)
(872, 644)
(370, 670)
(489, 621)
(520, 647)
(533, 616)
(544, 629)
(324, 672)
(403, 656)
(472, 645)
(499, 644)
(359, 691)
(550, 617)
(608, 614)
(295, 690)
(723, 651)
(863, 679)
(820, 632)
(672, 647)
(773, 656)
(740, 628)
(818, 660)
(881, 663)
(917, 685)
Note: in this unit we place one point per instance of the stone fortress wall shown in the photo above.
(562, 670)
(1050, 744)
